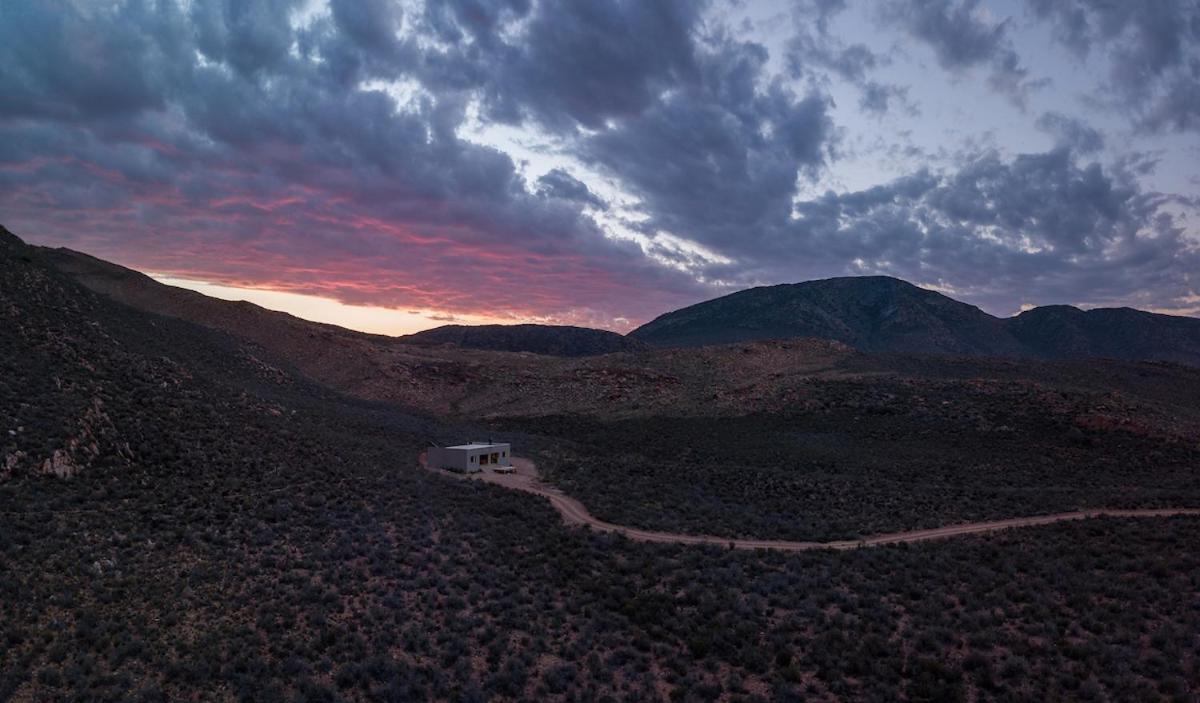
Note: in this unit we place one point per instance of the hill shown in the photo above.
(87, 383)
(878, 313)
(873, 313)
(335, 356)
(1065, 332)
(721, 380)
(552, 340)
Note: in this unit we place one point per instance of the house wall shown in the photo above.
(453, 459)
(460, 459)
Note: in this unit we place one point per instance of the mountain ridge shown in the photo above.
(885, 314)
(248, 319)
(868, 313)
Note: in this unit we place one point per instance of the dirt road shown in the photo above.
(525, 478)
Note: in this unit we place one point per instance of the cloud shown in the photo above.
(712, 161)
(575, 64)
(878, 98)
(371, 24)
(249, 37)
(1044, 228)
(1152, 49)
(954, 30)
(338, 152)
(852, 63)
(962, 38)
(1071, 133)
(258, 165)
(60, 65)
(557, 183)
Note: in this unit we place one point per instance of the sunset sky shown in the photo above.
(392, 165)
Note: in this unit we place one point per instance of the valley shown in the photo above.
(210, 499)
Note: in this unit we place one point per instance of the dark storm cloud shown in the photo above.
(961, 40)
(576, 64)
(480, 20)
(715, 159)
(690, 124)
(1151, 48)
(250, 37)
(372, 24)
(557, 183)
(232, 142)
(262, 167)
(63, 64)
(1039, 224)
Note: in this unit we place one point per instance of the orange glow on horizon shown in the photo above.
(363, 318)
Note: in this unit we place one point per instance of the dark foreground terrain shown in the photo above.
(184, 515)
(862, 456)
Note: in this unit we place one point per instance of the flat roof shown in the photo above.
(478, 446)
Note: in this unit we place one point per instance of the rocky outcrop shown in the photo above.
(96, 434)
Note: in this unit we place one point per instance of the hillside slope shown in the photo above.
(87, 383)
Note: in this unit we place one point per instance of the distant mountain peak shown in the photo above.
(886, 314)
(552, 340)
(873, 313)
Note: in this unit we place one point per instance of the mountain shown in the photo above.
(882, 314)
(1066, 332)
(873, 313)
(552, 340)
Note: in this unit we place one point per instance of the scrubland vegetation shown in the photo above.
(419, 588)
(230, 531)
(863, 459)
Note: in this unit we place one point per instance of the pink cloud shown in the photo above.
(303, 240)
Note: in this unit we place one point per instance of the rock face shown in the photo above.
(95, 435)
(552, 340)
(883, 314)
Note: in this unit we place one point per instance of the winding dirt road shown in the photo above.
(525, 478)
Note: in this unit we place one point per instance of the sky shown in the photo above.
(395, 165)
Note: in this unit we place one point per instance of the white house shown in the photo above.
(470, 458)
